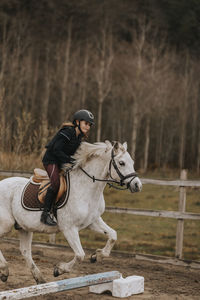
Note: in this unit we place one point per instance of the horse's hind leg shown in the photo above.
(100, 226)
(25, 248)
(4, 272)
(6, 223)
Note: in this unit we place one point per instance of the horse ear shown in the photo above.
(116, 147)
(125, 146)
(108, 144)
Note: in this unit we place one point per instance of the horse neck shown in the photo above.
(98, 167)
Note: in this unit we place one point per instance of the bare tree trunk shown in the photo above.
(47, 82)
(99, 120)
(135, 123)
(187, 78)
(34, 83)
(198, 154)
(183, 120)
(84, 79)
(45, 103)
(194, 136)
(159, 143)
(65, 72)
(3, 128)
(182, 145)
(28, 77)
(119, 130)
(3, 52)
(103, 73)
(147, 140)
(15, 82)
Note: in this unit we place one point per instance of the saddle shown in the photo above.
(41, 176)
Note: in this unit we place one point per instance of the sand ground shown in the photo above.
(162, 281)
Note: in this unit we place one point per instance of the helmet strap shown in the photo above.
(79, 127)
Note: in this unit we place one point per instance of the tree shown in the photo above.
(103, 58)
(64, 64)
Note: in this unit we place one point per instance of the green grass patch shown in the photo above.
(152, 197)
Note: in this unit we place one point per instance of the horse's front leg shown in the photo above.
(72, 236)
(25, 248)
(100, 226)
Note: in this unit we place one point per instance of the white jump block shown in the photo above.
(122, 287)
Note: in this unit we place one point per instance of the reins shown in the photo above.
(110, 181)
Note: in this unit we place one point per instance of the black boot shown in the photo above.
(46, 217)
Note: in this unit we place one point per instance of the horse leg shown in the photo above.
(72, 236)
(6, 223)
(100, 226)
(4, 272)
(25, 248)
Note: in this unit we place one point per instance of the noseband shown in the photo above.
(112, 180)
(121, 176)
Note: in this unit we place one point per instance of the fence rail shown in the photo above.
(154, 213)
(180, 215)
(179, 183)
(183, 183)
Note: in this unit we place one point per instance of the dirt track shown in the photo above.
(162, 281)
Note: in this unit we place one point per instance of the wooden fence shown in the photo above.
(180, 215)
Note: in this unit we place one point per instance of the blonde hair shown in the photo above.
(72, 124)
(67, 124)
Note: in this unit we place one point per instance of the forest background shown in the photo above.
(133, 63)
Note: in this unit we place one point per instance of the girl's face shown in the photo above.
(85, 126)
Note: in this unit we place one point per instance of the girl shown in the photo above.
(58, 155)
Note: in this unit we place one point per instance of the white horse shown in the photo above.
(84, 207)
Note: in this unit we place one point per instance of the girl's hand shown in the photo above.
(67, 167)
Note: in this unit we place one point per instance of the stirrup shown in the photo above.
(47, 219)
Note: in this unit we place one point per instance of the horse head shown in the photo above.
(120, 164)
(121, 167)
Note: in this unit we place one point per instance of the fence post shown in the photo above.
(180, 224)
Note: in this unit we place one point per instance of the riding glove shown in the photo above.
(67, 167)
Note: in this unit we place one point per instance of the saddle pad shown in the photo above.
(29, 199)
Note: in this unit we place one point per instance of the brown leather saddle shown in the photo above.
(35, 190)
(41, 176)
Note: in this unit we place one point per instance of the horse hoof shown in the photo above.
(56, 272)
(93, 258)
(4, 278)
(40, 281)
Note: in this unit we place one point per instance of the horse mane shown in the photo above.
(87, 151)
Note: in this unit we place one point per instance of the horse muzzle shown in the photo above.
(134, 185)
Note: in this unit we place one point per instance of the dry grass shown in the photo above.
(22, 162)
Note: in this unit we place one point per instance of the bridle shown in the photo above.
(121, 176)
(112, 180)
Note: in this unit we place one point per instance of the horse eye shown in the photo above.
(122, 163)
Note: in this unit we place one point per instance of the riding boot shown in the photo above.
(46, 217)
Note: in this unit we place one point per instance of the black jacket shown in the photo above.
(62, 146)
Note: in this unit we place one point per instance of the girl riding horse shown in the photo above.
(58, 156)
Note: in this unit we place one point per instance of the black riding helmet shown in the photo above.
(85, 115)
